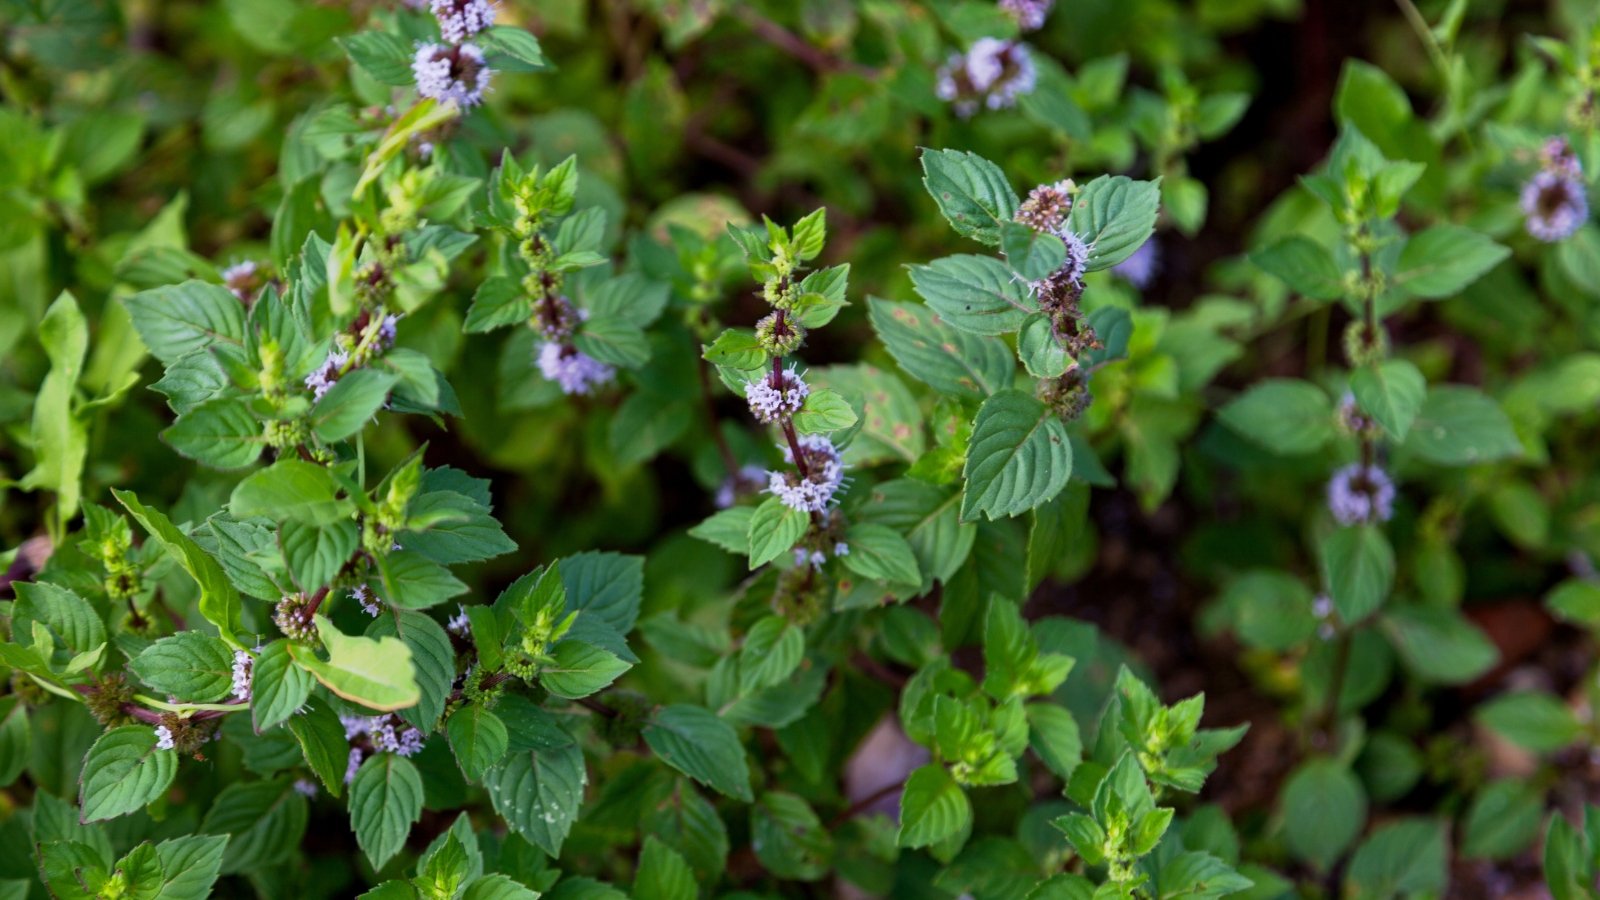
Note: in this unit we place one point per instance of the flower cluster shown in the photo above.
(243, 671)
(455, 73)
(1140, 268)
(777, 396)
(1554, 200)
(992, 74)
(243, 279)
(370, 604)
(575, 371)
(819, 475)
(164, 739)
(1030, 14)
(816, 558)
(1045, 210)
(378, 734)
(1361, 493)
(293, 616)
(368, 338)
(458, 624)
(461, 19)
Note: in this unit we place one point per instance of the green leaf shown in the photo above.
(123, 772)
(736, 348)
(1459, 426)
(663, 874)
(1404, 858)
(377, 674)
(1304, 265)
(700, 745)
(512, 49)
(290, 489)
(789, 839)
(577, 669)
(824, 411)
(1439, 645)
(432, 656)
(384, 56)
(772, 651)
(478, 738)
(774, 528)
(60, 437)
(498, 887)
(323, 743)
(278, 687)
(1324, 808)
(190, 866)
(351, 403)
(976, 294)
(606, 586)
(219, 600)
(947, 359)
(727, 528)
(1576, 601)
(972, 192)
(539, 793)
(881, 553)
(1114, 215)
(1041, 354)
(1032, 254)
(1358, 567)
(1053, 736)
(1502, 821)
(1018, 457)
(177, 320)
(264, 821)
(933, 808)
(187, 665)
(615, 341)
(68, 618)
(499, 301)
(219, 433)
(1391, 392)
(15, 739)
(413, 581)
(1285, 416)
(316, 553)
(1443, 260)
(385, 801)
(1531, 719)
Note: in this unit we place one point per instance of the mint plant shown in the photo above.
(897, 448)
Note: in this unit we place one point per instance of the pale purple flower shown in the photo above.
(1141, 267)
(825, 474)
(993, 73)
(387, 330)
(386, 733)
(575, 371)
(748, 480)
(323, 379)
(459, 625)
(164, 738)
(1076, 263)
(1030, 14)
(1555, 204)
(769, 402)
(841, 549)
(451, 74)
(1360, 494)
(243, 671)
(368, 600)
(461, 19)
(352, 764)
(240, 278)
(305, 787)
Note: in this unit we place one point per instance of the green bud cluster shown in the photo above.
(107, 699)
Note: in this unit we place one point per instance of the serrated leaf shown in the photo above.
(1114, 215)
(694, 741)
(385, 801)
(1018, 457)
(123, 772)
